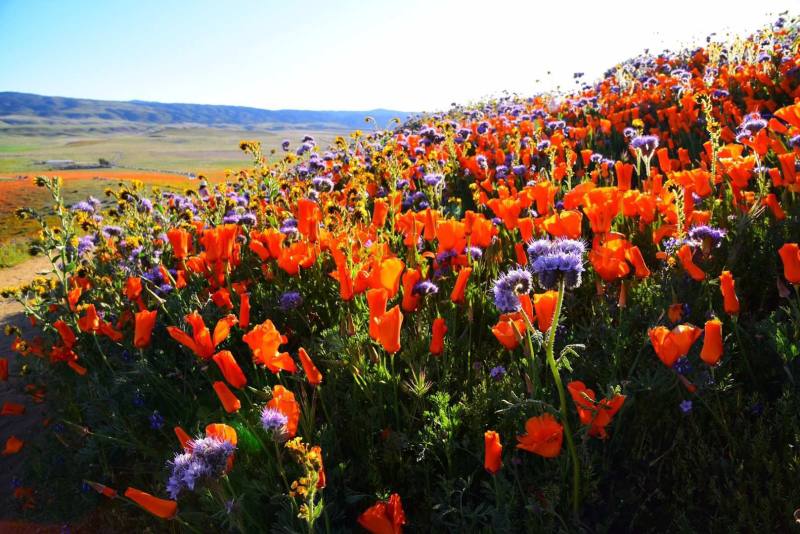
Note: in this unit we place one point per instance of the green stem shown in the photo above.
(562, 396)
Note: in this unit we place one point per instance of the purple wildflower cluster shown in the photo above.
(208, 459)
(274, 422)
(550, 260)
(290, 300)
(646, 144)
(508, 288)
(707, 234)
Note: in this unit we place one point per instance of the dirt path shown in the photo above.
(24, 426)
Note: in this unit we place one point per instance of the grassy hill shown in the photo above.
(21, 112)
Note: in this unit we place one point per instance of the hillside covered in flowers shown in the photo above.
(570, 312)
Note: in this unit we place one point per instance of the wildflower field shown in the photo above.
(570, 312)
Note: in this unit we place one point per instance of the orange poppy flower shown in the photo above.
(376, 301)
(202, 343)
(712, 342)
(457, 295)
(596, 415)
(438, 330)
(90, 322)
(143, 329)
(220, 242)
(384, 517)
(493, 452)
(73, 296)
(313, 375)
(264, 340)
(222, 432)
(410, 301)
(163, 508)
(226, 397)
(790, 256)
(685, 257)
(566, 223)
(12, 408)
(545, 306)
(180, 240)
(505, 332)
(671, 345)
(283, 401)
(389, 325)
(13, 446)
(230, 369)
(728, 287)
(379, 212)
(543, 436)
(183, 437)
(387, 275)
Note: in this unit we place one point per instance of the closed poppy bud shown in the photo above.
(712, 342)
(179, 239)
(230, 369)
(493, 452)
(244, 311)
(790, 256)
(457, 294)
(73, 296)
(545, 305)
(389, 325)
(226, 397)
(312, 373)
(439, 329)
(379, 212)
(183, 438)
(145, 321)
(3, 369)
(163, 508)
(728, 287)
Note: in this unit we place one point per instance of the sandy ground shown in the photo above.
(26, 425)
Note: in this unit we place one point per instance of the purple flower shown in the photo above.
(111, 231)
(683, 366)
(550, 260)
(497, 373)
(208, 459)
(272, 420)
(686, 406)
(290, 300)
(83, 206)
(322, 184)
(156, 420)
(646, 144)
(433, 180)
(509, 287)
(425, 288)
(704, 232)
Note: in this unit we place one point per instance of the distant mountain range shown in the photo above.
(22, 109)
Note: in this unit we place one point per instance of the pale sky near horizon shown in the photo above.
(408, 55)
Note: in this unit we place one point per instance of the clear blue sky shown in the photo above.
(410, 55)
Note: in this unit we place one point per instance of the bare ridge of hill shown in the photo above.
(19, 109)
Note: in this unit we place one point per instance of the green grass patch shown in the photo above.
(13, 253)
